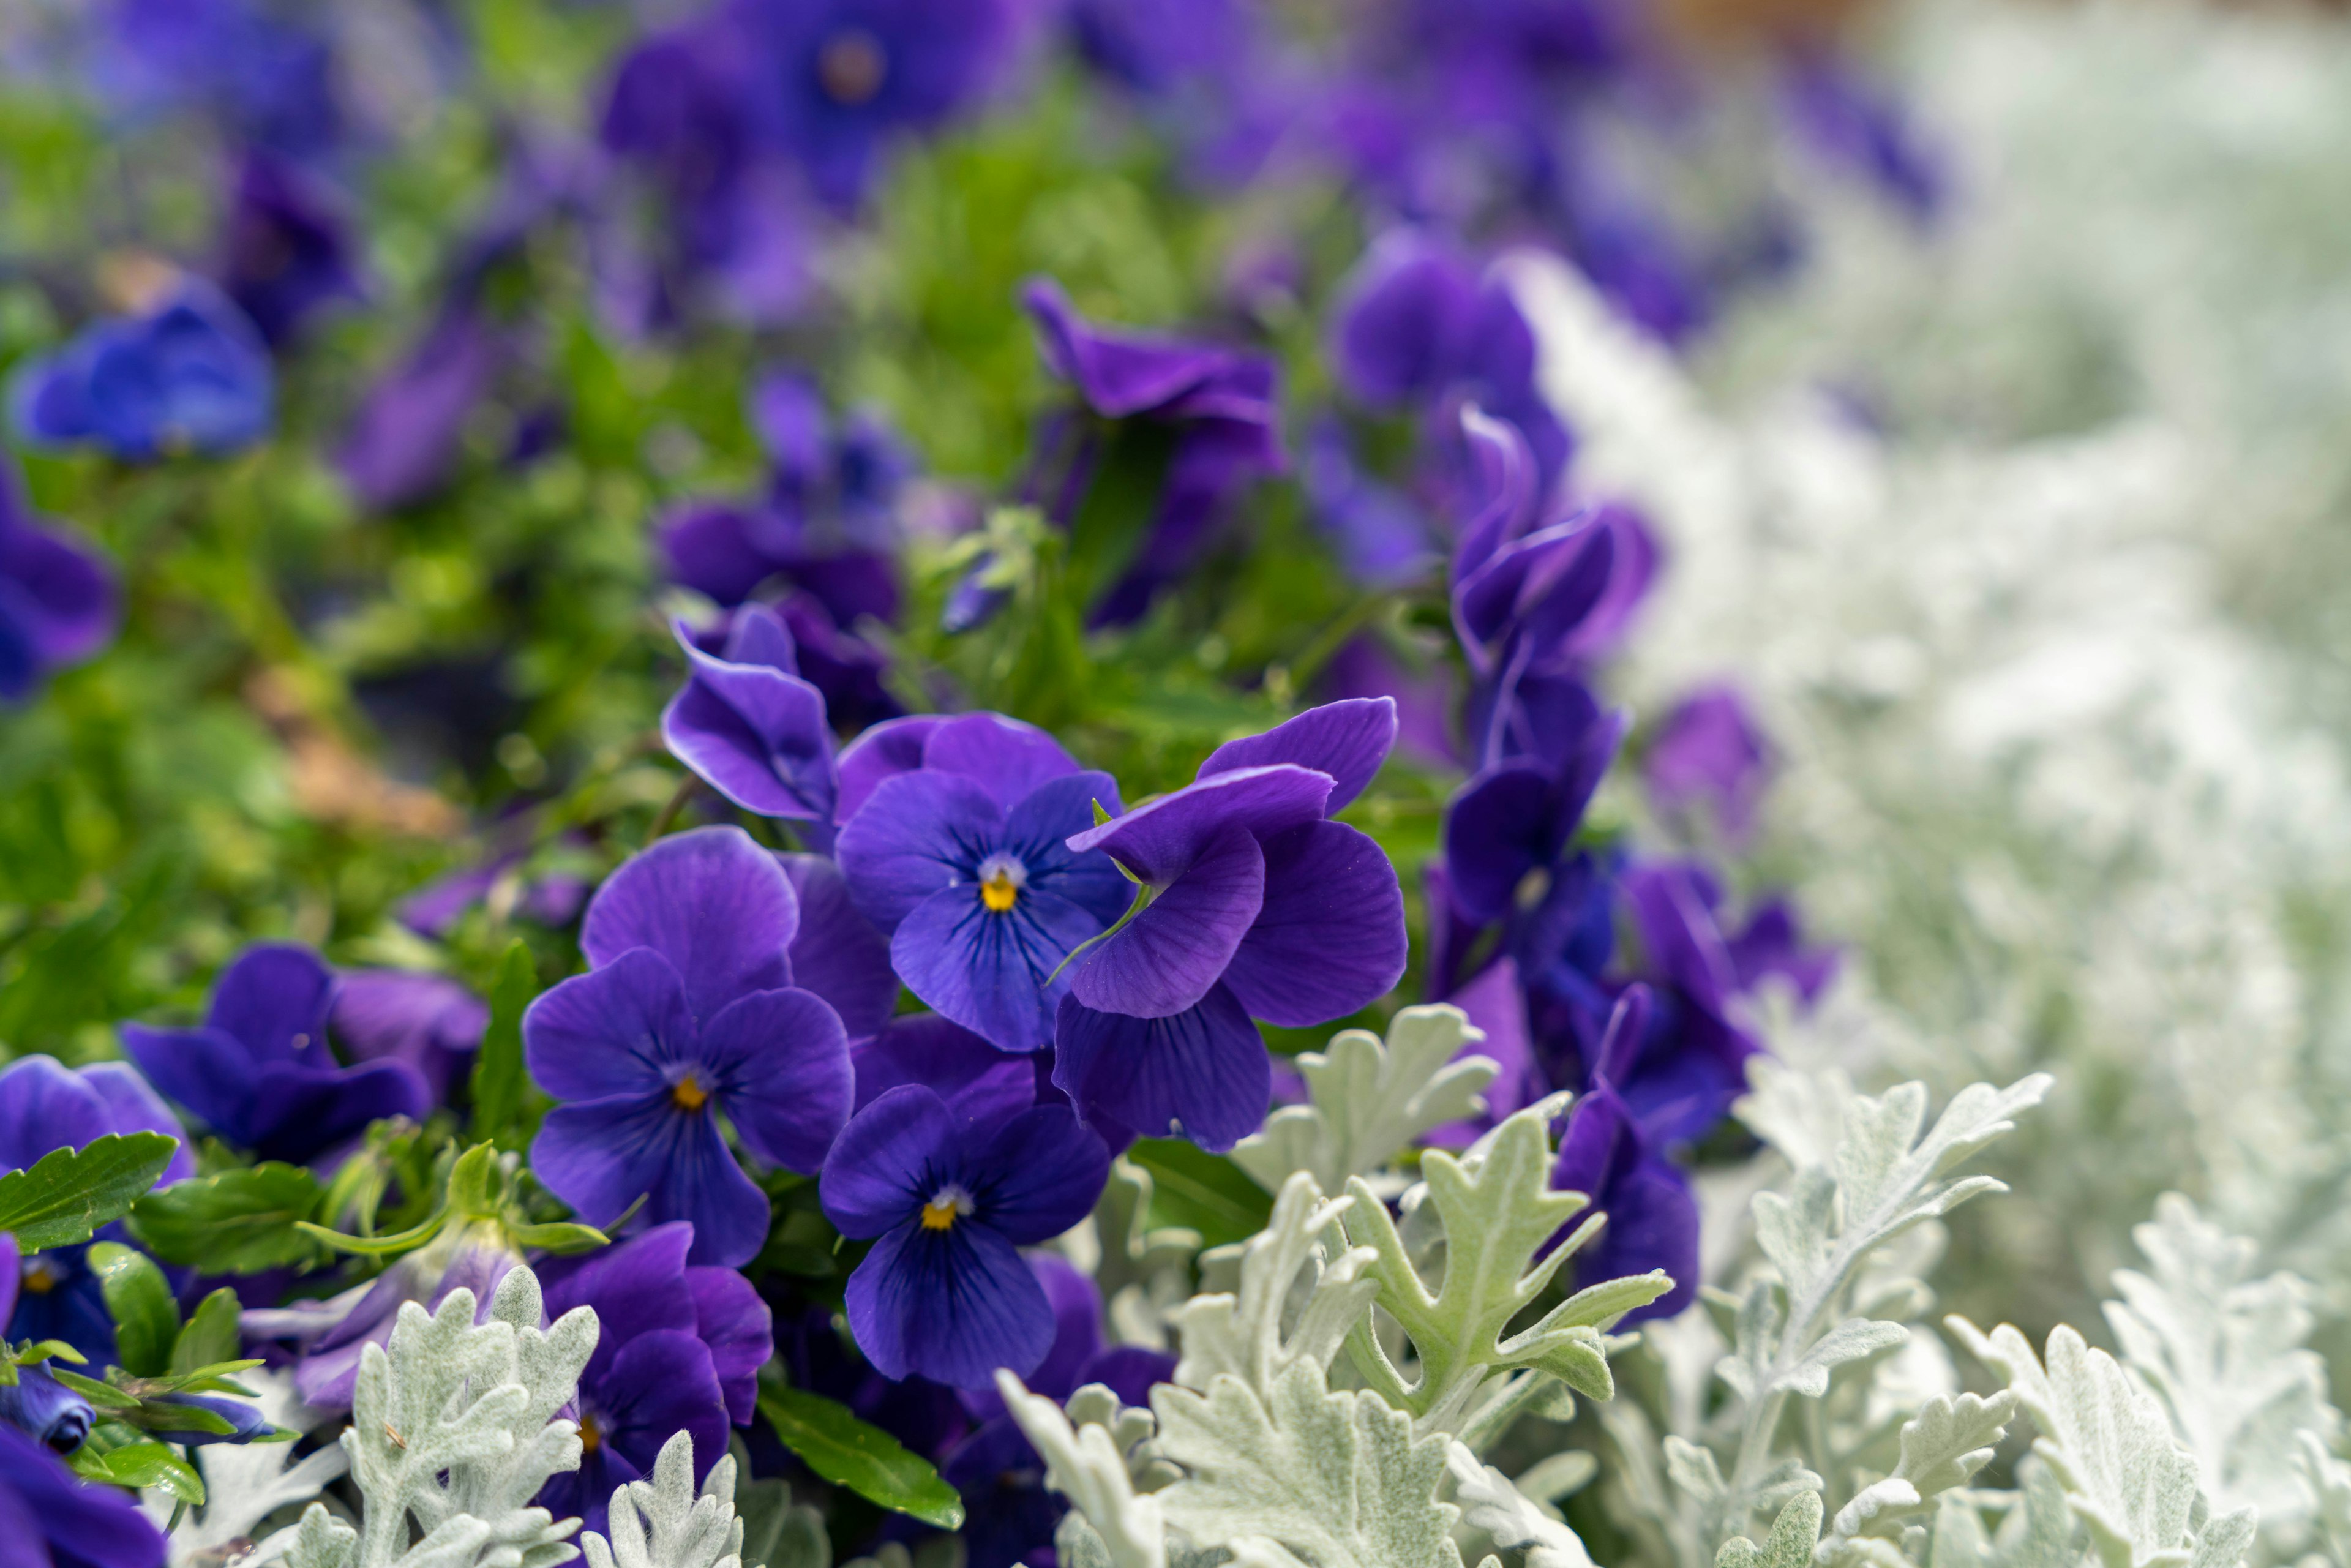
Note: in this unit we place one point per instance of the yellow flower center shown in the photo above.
(689, 1094)
(947, 1205)
(851, 67)
(999, 892)
(40, 1277)
(591, 1437)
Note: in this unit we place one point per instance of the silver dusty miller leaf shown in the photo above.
(663, 1523)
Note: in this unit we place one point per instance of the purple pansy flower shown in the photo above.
(40, 1406)
(1710, 751)
(678, 1348)
(964, 861)
(1221, 402)
(287, 248)
(834, 82)
(58, 598)
(63, 1522)
(1257, 906)
(1155, 46)
(1608, 1155)
(748, 725)
(1379, 535)
(1520, 817)
(44, 1108)
(259, 1072)
(266, 78)
(689, 1012)
(190, 375)
(948, 1200)
(429, 1021)
(405, 439)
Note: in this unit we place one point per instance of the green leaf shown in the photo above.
(139, 1299)
(238, 1222)
(870, 1462)
(1201, 1191)
(141, 1465)
(96, 1393)
(211, 1334)
(62, 1200)
(562, 1237)
(399, 1241)
(501, 1083)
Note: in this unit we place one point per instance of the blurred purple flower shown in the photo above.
(429, 1021)
(1255, 905)
(748, 725)
(58, 603)
(963, 859)
(678, 1348)
(944, 1292)
(1850, 124)
(1609, 1156)
(405, 439)
(689, 1012)
(47, 1509)
(190, 375)
(331, 1335)
(1380, 537)
(46, 1410)
(259, 1073)
(1709, 752)
(266, 78)
(1153, 46)
(1520, 818)
(286, 249)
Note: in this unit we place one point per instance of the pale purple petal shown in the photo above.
(44, 1106)
(756, 734)
(1348, 740)
(1006, 758)
(131, 1106)
(883, 752)
(274, 1001)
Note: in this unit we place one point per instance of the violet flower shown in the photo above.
(59, 604)
(834, 82)
(1380, 537)
(964, 861)
(429, 1021)
(1608, 1155)
(1710, 751)
(267, 79)
(678, 1348)
(287, 248)
(191, 375)
(945, 1293)
(73, 1523)
(837, 953)
(1155, 47)
(259, 1073)
(1520, 818)
(46, 1410)
(405, 439)
(1221, 403)
(689, 1012)
(43, 1107)
(1254, 906)
(748, 726)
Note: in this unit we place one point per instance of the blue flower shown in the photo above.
(191, 375)
(750, 727)
(44, 1509)
(58, 598)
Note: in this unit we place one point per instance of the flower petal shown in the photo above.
(1158, 839)
(636, 1286)
(887, 1161)
(982, 1085)
(273, 1001)
(299, 1112)
(660, 1384)
(609, 1031)
(1347, 740)
(1006, 758)
(989, 970)
(780, 1065)
(756, 734)
(1201, 1074)
(1038, 1176)
(950, 1305)
(885, 751)
(1166, 958)
(915, 834)
(1037, 831)
(1329, 937)
(202, 1071)
(1501, 826)
(602, 1155)
(713, 903)
(45, 1106)
(730, 1318)
(837, 954)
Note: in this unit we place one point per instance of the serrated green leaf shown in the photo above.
(237, 1222)
(141, 1465)
(846, 1451)
(64, 1198)
(211, 1334)
(139, 1299)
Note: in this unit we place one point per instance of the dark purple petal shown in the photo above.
(11, 1276)
(287, 248)
(730, 1318)
(636, 1286)
(61, 1519)
(779, 1062)
(1673, 904)
(1201, 1074)
(756, 634)
(40, 1406)
(713, 547)
(889, 1161)
(980, 1085)
(756, 734)
(1771, 944)
(406, 438)
(430, 1021)
(885, 751)
(660, 1384)
(1158, 839)
(1119, 372)
(600, 1155)
(1039, 1175)
(1128, 1371)
(1495, 1005)
(132, 1106)
(950, 1305)
(61, 590)
(1653, 1223)
(1077, 1325)
(274, 1000)
(837, 954)
(202, 1071)
(244, 1416)
(1038, 832)
(1167, 958)
(1005, 757)
(713, 903)
(610, 1031)
(1506, 500)
(1404, 321)
(299, 1112)
(917, 833)
(997, 973)
(43, 1107)
(1330, 937)
(1348, 740)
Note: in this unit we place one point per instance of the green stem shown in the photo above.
(676, 803)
